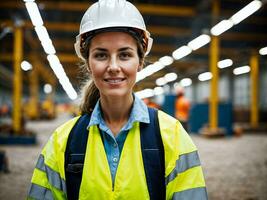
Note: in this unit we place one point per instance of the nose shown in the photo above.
(113, 65)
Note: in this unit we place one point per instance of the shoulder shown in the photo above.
(176, 140)
(166, 120)
(67, 126)
(172, 130)
(60, 135)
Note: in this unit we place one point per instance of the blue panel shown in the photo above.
(11, 139)
(168, 105)
(199, 116)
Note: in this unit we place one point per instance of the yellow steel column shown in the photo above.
(34, 93)
(254, 75)
(214, 58)
(17, 79)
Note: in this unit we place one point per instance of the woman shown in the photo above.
(113, 42)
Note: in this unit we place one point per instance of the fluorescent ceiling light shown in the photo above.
(225, 63)
(157, 66)
(149, 70)
(53, 59)
(25, 65)
(58, 70)
(146, 93)
(263, 51)
(199, 41)
(158, 90)
(42, 33)
(34, 13)
(170, 77)
(241, 70)
(48, 47)
(185, 82)
(181, 52)
(166, 60)
(246, 11)
(47, 88)
(161, 81)
(205, 76)
(221, 27)
(46, 42)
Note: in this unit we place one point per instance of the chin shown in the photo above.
(117, 93)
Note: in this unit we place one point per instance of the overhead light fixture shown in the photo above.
(225, 63)
(205, 76)
(166, 60)
(56, 66)
(42, 33)
(25, 65)
(158, 66)
(170, 77)
(46, 42)
(181, 52)
(34, 13)
(48, 47)
(146, 93)
(47, 88)
(221, 27)
(246, 11)
(185, 82)
(241, 70)
(263, 51)
(198, 42)
(158, 90)
(161, 81)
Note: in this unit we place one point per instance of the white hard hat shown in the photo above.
(108, 14)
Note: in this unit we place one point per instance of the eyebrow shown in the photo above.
(105, 50)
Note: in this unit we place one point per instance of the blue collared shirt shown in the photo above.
(113, 145)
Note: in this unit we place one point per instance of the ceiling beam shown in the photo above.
(146, 9)
(155, 31)
(149, 9)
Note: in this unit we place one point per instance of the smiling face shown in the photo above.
(113, 63)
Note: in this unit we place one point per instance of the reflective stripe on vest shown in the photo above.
(39, 192)
(185, 162)
(192, 194)
(53, 177)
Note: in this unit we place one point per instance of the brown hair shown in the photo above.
(90, 93)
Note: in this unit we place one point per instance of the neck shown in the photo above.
(116, 111)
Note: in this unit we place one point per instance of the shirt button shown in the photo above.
(115, 145)
(115, 159)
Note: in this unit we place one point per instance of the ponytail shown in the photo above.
(90, 95)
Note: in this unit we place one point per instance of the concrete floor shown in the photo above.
(235, 168)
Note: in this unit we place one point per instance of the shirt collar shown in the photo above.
(139, 113)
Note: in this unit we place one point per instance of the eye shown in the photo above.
(125, 55)
(100, 56)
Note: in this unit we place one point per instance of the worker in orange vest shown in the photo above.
(182, 107)
(151, 103)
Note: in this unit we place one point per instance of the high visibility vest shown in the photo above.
(183, 174)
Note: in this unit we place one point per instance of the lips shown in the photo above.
(114, 80)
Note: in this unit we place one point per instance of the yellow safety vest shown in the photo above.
(183, 174)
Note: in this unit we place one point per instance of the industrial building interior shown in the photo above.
(216, 50)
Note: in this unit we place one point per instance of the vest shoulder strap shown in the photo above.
(153, 156)
(152, 152)
(74, 156)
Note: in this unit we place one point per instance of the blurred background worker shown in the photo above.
(182, 107)
(151, 103)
